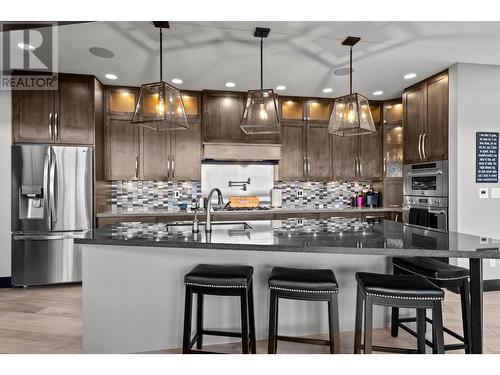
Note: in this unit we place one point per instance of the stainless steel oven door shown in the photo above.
(427, 217)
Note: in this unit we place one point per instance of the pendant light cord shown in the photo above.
(161, 55)
(350, 71)
(261, 64)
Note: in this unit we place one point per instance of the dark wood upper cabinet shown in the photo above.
(291, 109)
(425, 108)
(435, 142)
(186, 153)
(293, 152)
(75, 110)
(222, 113)
(154, 157)
(370, 155)
(319, 152)
(65, 116)
(33, 115)
(344, 157)
(121, 149)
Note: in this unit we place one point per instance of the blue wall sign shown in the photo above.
(486, 157)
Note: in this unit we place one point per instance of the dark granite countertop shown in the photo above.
(339, 235)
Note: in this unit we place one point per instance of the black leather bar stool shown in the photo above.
(409, 291)
(219, 280)
(308, 285)
(443, 275)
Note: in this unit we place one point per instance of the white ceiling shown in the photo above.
(300, 55)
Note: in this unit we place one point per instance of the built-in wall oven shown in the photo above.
(425, 190)
(426, 179)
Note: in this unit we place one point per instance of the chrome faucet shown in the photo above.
(220, 201)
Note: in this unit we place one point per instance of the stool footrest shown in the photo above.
(428, 320)
(429, 343)
(388, 349)
(211, 332)
(304, 340)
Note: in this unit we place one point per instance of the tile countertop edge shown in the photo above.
(111, 214)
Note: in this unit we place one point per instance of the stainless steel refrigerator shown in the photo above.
(51, 205)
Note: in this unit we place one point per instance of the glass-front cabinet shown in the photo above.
(393, 139)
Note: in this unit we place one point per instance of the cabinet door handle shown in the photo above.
(420, 146)
(308, 165)
(423, 145)
(56, 126)
(173, 166)
(50, 125)
(360, 167)
(168, 166)
(355, 166)
(304, 166)
(136, 166)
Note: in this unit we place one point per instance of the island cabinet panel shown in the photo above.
(63, 116)
(435, 145)
(293, 152)
(222, 113)
(121, 149)
(425, 107)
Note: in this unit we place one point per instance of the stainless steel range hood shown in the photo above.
(241, 151)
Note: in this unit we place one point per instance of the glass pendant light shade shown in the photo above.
(261, 113)
(160, 107)
(350, 116)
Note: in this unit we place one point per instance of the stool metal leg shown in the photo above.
(368, 324)
(199, 322)
(273, 313)
(333, 320)
(187, 320)
(251, 313)
(421, 331)
(464, 297)
(437, 327)
(359, 322)
(244, 321)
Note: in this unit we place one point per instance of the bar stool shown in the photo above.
(443, 275)
(219, 280)
(409, 291)
(307, 285)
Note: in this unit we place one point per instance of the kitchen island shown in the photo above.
(133, 292)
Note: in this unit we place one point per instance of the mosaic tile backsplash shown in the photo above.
(318, 194)
(149, 195)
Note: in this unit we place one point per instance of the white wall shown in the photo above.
(474, 101)
(5, 142)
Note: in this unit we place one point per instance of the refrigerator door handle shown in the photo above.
(52, 199)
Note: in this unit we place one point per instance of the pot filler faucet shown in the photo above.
(220, 201)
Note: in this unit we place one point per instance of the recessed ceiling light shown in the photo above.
(280, 88)
(25, 46)
(410, 76)
(102, 52)
(327, 90)
(110, 76)
(342, 72)
(230, 84)
(177, 81)
(376, 93)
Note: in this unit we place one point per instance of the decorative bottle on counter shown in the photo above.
(359, 200)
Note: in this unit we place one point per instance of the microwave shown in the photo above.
(426, 179)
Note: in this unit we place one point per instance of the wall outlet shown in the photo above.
(176, 194)
(300, 193)
(495, 193)
(483, 240)
(483, 193)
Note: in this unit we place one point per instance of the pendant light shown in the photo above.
(159, 105)
(261, 112)
(351, 113)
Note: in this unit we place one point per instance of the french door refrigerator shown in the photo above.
(51, 205)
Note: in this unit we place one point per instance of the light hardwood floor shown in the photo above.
(48, 320)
